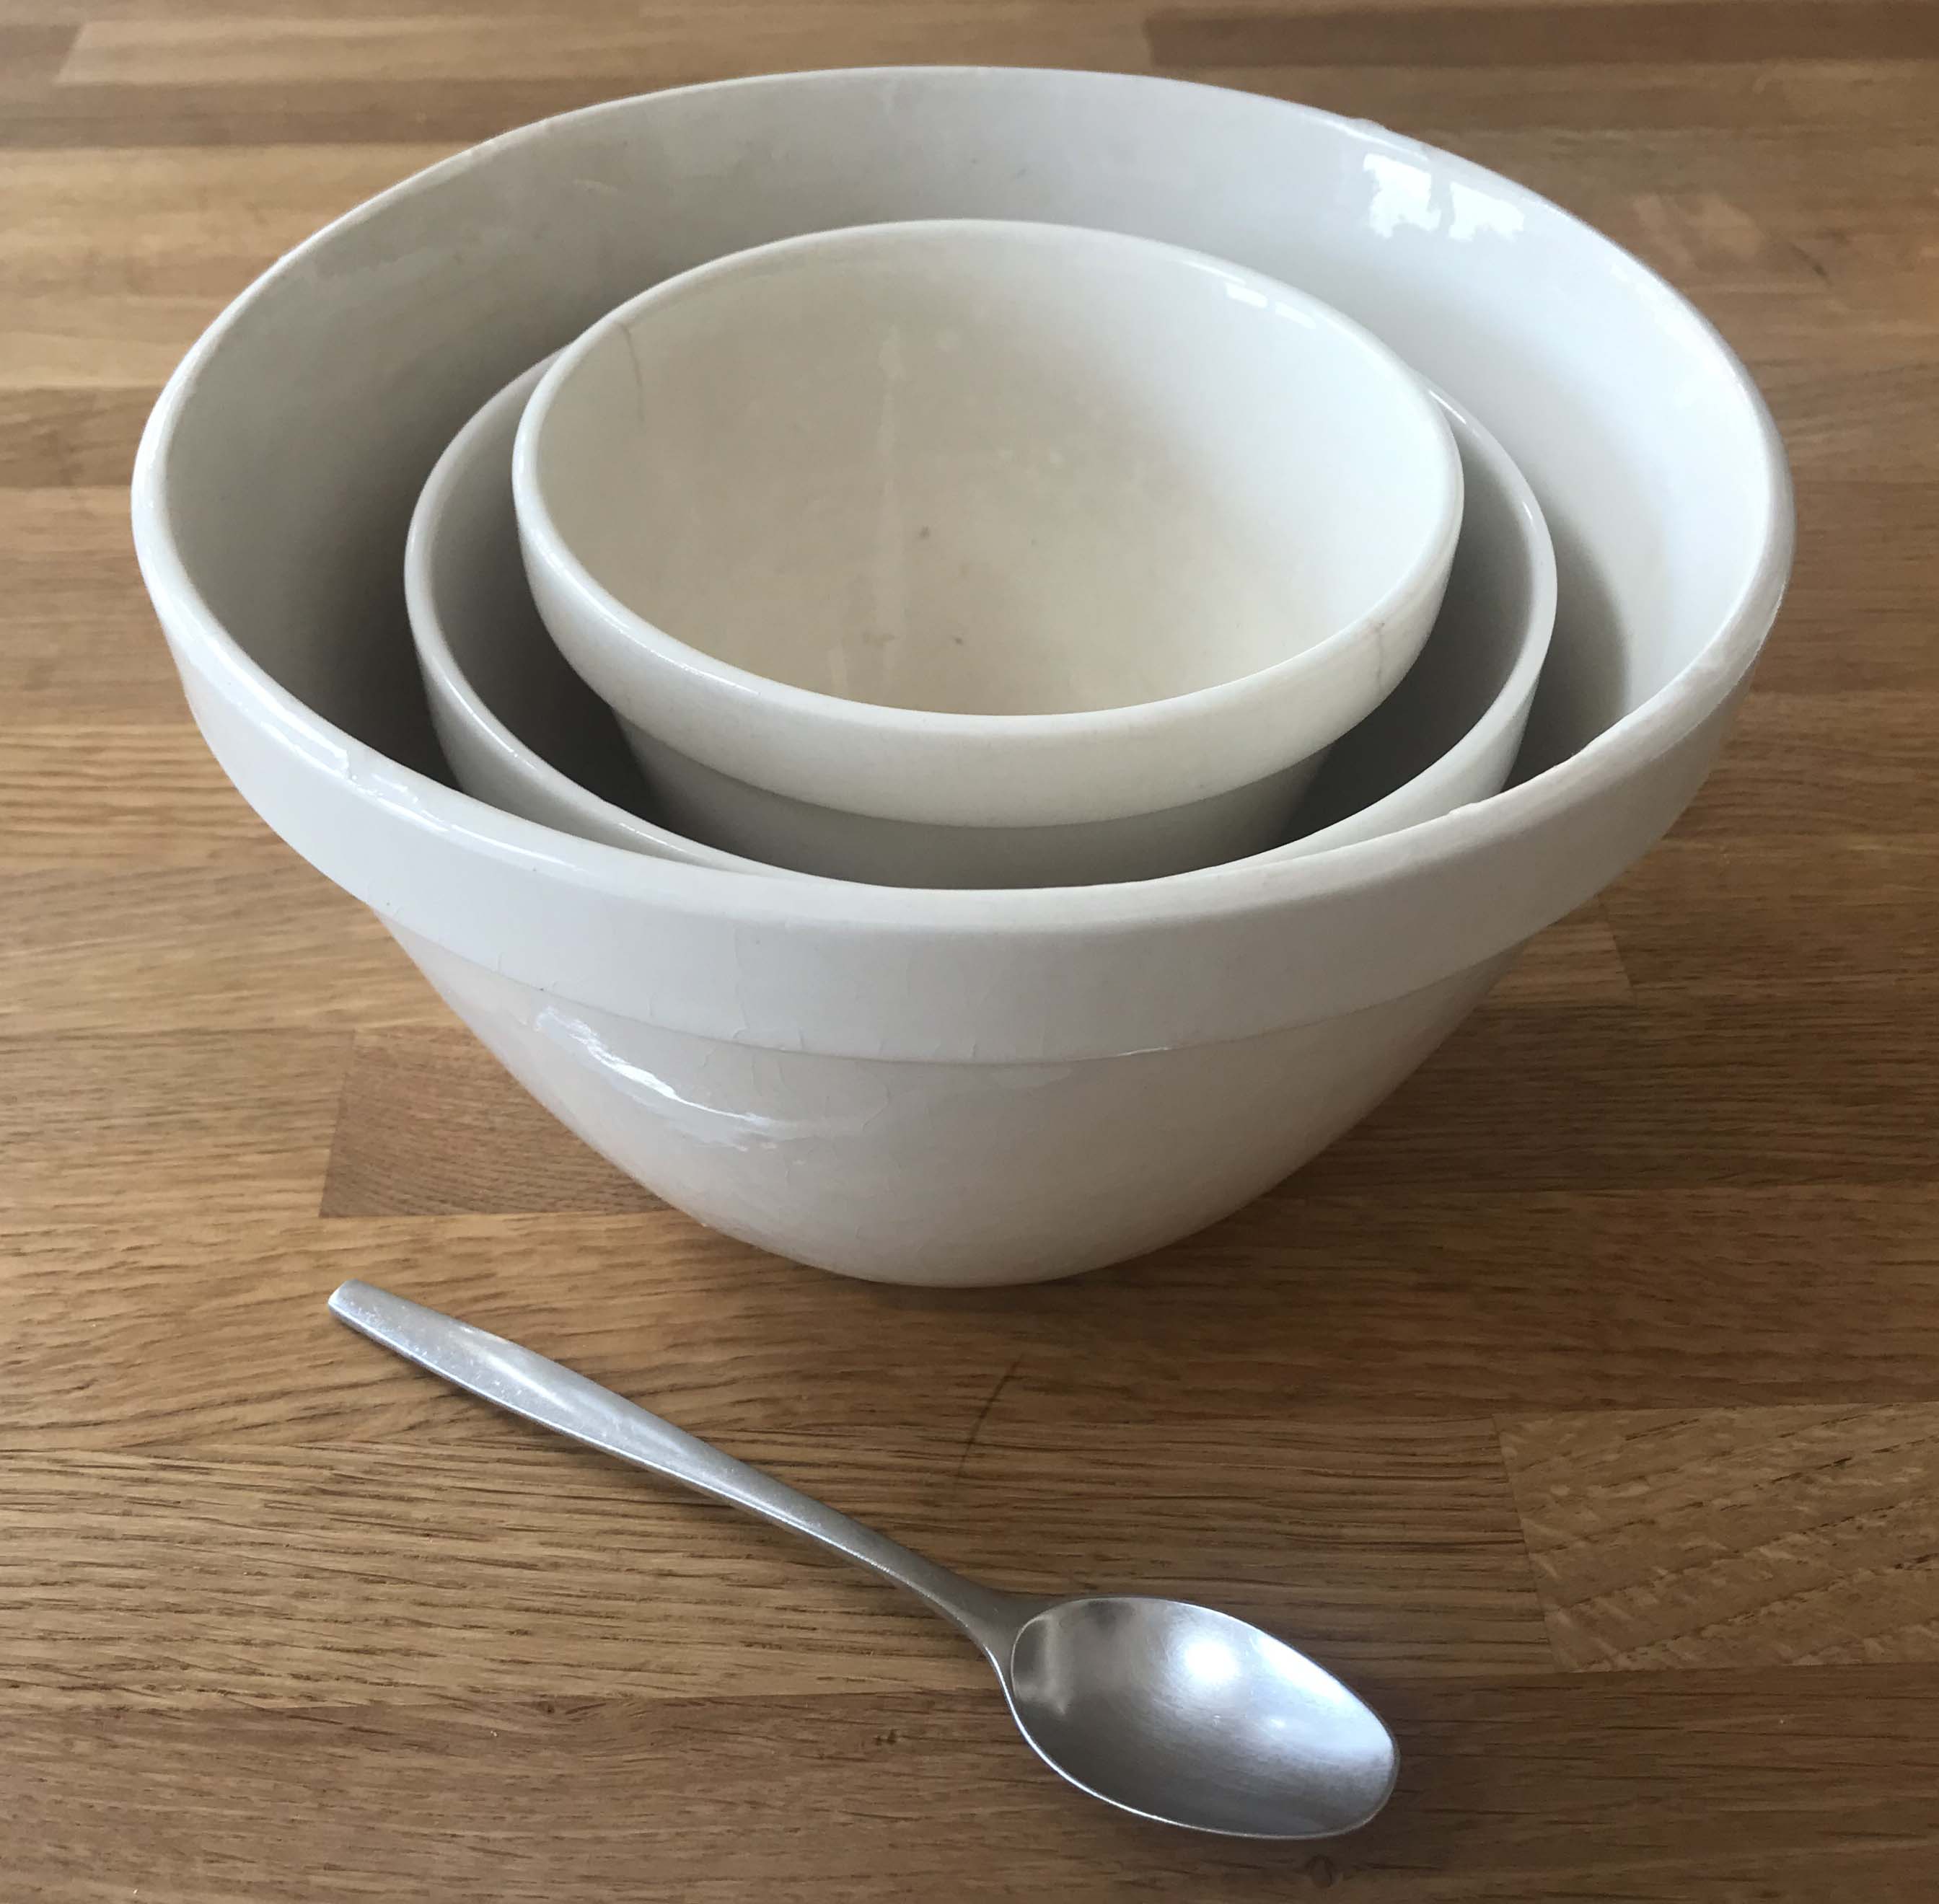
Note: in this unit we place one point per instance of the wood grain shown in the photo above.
(635, 46)
(1430, 1305)
(1556, 1790)
(1450, 103)
(456, 1572)
(1584, 1404)
(1586, 32)
(34, 50)
(1859, 612)
(136, 1119)
(1793, 770)
(78, 793)
(1800, 918)
(80, 645)
(68, 436)
(186, 948)
(196, 222)
(73, 343)
(1744, 1537)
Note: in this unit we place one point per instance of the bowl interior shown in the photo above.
(983, 467)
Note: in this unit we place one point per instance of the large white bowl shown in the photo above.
(951, 1086)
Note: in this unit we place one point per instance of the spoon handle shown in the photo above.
(544, 1391)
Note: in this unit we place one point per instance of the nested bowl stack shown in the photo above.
(951, 1086)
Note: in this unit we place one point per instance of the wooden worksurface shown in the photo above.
(1583, 1407)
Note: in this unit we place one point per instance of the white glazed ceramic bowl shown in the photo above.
(975, 552)
(523, 732)
(951, 1087)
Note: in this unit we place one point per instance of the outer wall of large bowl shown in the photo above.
(949, 1174)
(754, 969)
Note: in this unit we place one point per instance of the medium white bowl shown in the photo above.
(973, 553)
(523, 731)
(951, 1087)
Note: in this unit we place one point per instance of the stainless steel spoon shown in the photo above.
(1170, 1710)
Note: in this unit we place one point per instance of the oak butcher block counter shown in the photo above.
(1581, 1408)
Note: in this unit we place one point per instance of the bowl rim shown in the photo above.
(1236, 889)
(1000, 741)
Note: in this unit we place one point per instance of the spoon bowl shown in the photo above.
(1170, 1710)
(1183, 1714)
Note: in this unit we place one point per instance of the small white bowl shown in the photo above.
(523, 731)
(519, 729)
(975, 552)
